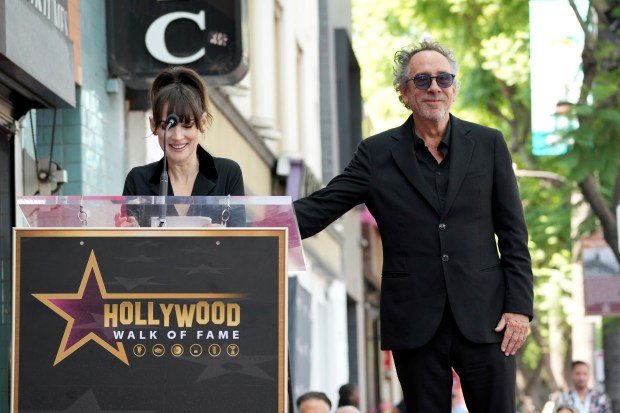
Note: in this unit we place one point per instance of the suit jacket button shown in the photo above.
(442, 226)
(445, 258)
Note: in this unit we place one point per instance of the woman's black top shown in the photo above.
(216, 177)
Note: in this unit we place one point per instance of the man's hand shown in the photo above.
(517, 328)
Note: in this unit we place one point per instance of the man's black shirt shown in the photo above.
(435, 174)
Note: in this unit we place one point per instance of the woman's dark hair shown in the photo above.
(185, 93)
(345, 392)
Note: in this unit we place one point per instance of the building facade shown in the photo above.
(73, 121)
(25, 84)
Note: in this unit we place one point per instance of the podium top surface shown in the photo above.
(172, 211)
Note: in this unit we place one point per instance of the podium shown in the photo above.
(185, 312)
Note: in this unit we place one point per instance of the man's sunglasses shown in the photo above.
(423, 82)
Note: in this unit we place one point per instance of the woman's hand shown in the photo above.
(125, 220)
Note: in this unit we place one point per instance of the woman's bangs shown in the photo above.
(179, 103)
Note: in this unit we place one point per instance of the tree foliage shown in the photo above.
(594, 159)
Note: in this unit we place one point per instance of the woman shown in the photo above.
(192, 171)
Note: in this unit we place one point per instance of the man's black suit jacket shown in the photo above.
(429, 258)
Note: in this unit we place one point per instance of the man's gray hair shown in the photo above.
(403, 56)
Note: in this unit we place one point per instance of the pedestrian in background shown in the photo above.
(349, 395)
(582, 398)
(314, 402)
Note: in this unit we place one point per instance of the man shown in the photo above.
(314, 402)
(582, 398)
(441, 189)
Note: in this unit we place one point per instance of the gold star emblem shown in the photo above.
(79, 310)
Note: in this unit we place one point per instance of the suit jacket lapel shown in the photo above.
(461, 150)
(405, 159)
(202, 186)
(205, 180)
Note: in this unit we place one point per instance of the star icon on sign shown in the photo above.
(202, 269)
(197, 250)
(82, 310)
(244, 365)
(131, 283)
(141, 259)
(89, 403)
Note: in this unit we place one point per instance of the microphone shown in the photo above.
(171, 121)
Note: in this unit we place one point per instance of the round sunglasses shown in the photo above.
(423, 82)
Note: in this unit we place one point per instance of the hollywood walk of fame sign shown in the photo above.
(102, 319)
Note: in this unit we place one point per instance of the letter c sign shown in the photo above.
(155, 38)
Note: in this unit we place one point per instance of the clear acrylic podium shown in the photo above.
(185, 310)
(202, 211)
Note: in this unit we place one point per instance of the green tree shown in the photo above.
(594, 160)
(491, 39)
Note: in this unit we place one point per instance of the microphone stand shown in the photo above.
(171, 121)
